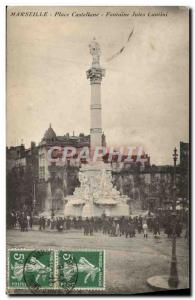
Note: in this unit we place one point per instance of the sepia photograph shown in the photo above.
(98, 150)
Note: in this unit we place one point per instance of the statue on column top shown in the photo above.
(95, 51)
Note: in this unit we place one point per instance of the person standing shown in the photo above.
(28, 222)
(25, 222)
(127, 228)
(130, 229)
(31, 222)
(43, 223)
(48, 222)
(117, 228)
(156, 228)
(145, 230)
(104, 226)
(91, 226)
(139, 226)
(40, 223)
(86, 226)
(178, 228)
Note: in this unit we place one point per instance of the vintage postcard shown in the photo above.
(98, 149)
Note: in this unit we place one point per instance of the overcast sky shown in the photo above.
(144, 93)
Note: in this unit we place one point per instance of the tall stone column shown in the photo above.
(95, 74)
(96, 193)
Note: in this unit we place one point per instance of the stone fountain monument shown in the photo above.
(96, 194)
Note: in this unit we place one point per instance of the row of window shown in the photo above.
(41, 172)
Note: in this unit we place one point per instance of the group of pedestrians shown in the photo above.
(122, 226)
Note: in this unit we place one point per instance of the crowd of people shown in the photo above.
(23, 219)
(122, 226)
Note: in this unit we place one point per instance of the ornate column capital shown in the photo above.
(95, 75)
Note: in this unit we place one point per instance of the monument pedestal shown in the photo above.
(88, 211)
(96, 194)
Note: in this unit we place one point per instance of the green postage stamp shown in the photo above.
(41, 270)
(86, 268)
(30, 269)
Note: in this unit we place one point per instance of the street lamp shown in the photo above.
(34, 200)
(173, 278)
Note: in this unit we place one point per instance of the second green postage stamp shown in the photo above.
(84, 269)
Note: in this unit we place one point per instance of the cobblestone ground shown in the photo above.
(129, 262)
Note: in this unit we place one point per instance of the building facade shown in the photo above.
(32, 178)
